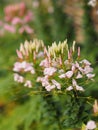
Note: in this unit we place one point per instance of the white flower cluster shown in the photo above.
(68, 69)
(25, 68)
(77, 70)
(48, 83)
(24, 65)
(56, 67)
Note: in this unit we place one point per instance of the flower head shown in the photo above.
(90, 125)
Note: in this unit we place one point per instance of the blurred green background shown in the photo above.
(53, 20)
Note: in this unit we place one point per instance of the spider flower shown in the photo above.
(58, 69)
(60, 65)
(61, 57)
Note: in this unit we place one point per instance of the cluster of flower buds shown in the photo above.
(30, 50)
(17, 18)
(27, 55)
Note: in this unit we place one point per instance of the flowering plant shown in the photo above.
(56, 71)
(17, 18)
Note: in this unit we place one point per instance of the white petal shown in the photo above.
(79, 88)
(32, 71)
(69, 74)
(44, 63)
(87, 70)
(77, 64)
(79, 76)
(56, 84)
(86, 62)
(28, 84)
(74, 83)
(18, 78)
(49, 87)
(39, 79)
(73, 67)
(69, 88)
(90, 76)
(62, 76)
(49, 71)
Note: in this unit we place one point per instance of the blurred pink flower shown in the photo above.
(10, 28)
(22, 8)
(16, 20)
(28, 17)
(13, 10)
(18, 14)
(25, 28)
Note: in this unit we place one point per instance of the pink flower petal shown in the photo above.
(9, 28)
